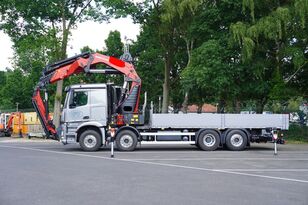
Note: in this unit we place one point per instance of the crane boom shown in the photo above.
(82, 63)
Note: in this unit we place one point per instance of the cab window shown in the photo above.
(80, 98)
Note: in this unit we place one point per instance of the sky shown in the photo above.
(89, 33)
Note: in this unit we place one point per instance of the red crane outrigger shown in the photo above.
(83, 63)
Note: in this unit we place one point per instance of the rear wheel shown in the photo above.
(236, 140)
(90, 140)
(126, 140)
(208, 140)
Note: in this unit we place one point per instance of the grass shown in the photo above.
(297, 134)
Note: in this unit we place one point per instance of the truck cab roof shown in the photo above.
(86, 86)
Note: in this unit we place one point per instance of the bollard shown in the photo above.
(112, 148)
(275, 136)
(112, 133)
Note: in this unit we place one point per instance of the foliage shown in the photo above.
(14, 91)
(149, 62)
(297, 133)
(2, 78)
(274, 38)
(234, 53)
(207, 73)
(214, 62)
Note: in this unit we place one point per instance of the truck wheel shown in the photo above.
(126, 140)
(8, 134)
(208, 140)
(236, 140)
(90, 140)
(196, 144)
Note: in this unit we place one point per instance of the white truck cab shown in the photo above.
(85, 108)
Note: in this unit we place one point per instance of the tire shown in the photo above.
(126, 140)
(236, 140)
(197, 145)
(8, 134)
(208, 140)
(90, 140)
(2, 134)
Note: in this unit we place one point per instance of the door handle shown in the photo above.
(86, 117)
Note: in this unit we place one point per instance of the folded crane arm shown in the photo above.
(83, 63)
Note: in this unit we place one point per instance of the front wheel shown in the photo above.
(90, 140)
(126, 140)
(208, 140)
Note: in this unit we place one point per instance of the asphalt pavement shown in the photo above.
(36, 172)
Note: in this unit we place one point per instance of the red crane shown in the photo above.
(83, 63)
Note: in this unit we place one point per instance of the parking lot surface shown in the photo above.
(44, 172)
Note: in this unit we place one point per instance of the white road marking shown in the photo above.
(219, 158)
(194, 151)
(27, 141)
(162, 164)
(267, 170)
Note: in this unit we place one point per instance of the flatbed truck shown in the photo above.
(92, 111)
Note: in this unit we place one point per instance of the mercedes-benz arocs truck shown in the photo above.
(90, 111)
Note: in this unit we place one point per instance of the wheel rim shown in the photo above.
(209, 140)
(236, 140)
(90, 141)
(126, 141)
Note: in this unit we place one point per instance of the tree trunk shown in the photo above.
(221, 106)
(260, 105)
(58, 98)
(200, 106)
(166, 85)
(189, 47)
(57, 105)
(237, 106)
(185, 103)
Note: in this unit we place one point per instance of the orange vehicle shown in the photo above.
(7, 122)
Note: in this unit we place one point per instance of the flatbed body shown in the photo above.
(219, 121)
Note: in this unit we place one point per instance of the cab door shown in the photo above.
(78, 108)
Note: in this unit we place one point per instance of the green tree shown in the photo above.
(273, 43)
(214, 58)
(164, 32)
(2, 78)
(181, 14)
(114, 45)
(148, 53)
(14, 91)
(210, 76)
